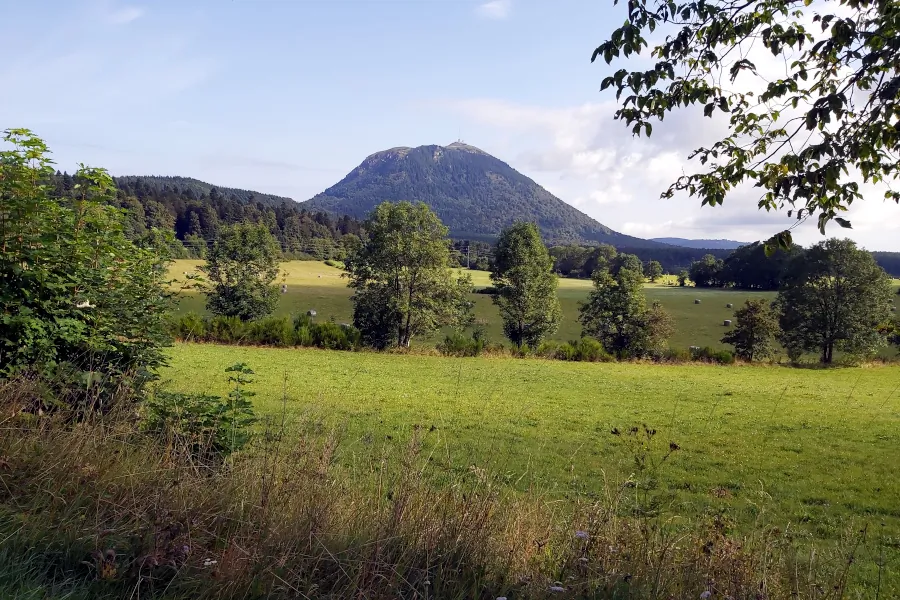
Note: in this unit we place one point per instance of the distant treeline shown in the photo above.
(581, 261)
(194, 210)
(747, 267)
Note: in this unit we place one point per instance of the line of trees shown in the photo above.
(832, 297)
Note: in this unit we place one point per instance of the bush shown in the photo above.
(490, 290)
(707, 354)
(587, 349)
(188, 327)
(457, 344)
(205, 428)
(332, 336)
(677, 355)
(272, 331)
(225, 330)
(331, 263)
(77, 296)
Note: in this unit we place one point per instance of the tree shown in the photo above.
(707, 272)
(242, 266)
(833, 296)
(402, 278)
(683, 277)
(753, 336)
(750, 267)
(522, 273)
(654, 270)
(79, 301)
(804, 133)
(616, 313)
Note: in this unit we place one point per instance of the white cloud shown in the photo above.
(495, 9)
(594, 163)
(125, 15)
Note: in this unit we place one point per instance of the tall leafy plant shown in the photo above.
(79, 302)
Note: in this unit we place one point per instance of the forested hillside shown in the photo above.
(194, 210)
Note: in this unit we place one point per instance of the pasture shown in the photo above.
(314, 285)
(814, 451)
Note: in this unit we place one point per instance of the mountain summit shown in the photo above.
(475, 195)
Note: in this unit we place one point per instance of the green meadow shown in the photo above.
(810, 450)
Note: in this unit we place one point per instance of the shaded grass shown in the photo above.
(809, 451)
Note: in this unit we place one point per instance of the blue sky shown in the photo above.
(287, 96)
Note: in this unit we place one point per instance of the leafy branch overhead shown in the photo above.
(806, 137)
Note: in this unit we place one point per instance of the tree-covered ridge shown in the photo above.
(199, 188)
(195, 211)
(475, 195)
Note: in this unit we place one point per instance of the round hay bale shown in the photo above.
(697, 301)
(729, 305)
(727, 323)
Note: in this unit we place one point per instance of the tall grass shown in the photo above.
(97, 509)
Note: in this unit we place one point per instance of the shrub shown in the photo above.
(331, 263)
(588, 349)
(707, 354)
(205, 428)
(332, 336)
(188, 327)
(676, 355)
(225, 330)
(272, 331)
(76, 294)
(457, 344)
(490, 290)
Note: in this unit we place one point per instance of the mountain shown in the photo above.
(474, 194)
(160, 184)
(702, 244)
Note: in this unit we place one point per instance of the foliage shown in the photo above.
(616, 312)
(77, 297)
(752, 268)
(270, 331)
(683, 277)
(194, 211)
(804, 135)
(525, 285)
(458, 344)
(707, 354)
(208, 428)
(707, 272)
(401, 277)
(242, 266)
(833, 296)
(755, 330)
(654, 270)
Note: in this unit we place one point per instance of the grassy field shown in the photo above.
(314, 285)
(811, 450)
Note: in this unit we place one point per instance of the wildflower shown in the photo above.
(556, 589)
(705, 595)
(209, 562)
(581, 535)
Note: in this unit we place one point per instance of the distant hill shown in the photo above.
(474, 194)
(159, 184)
(703, 244)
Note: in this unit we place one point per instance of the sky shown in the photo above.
(288, 96)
